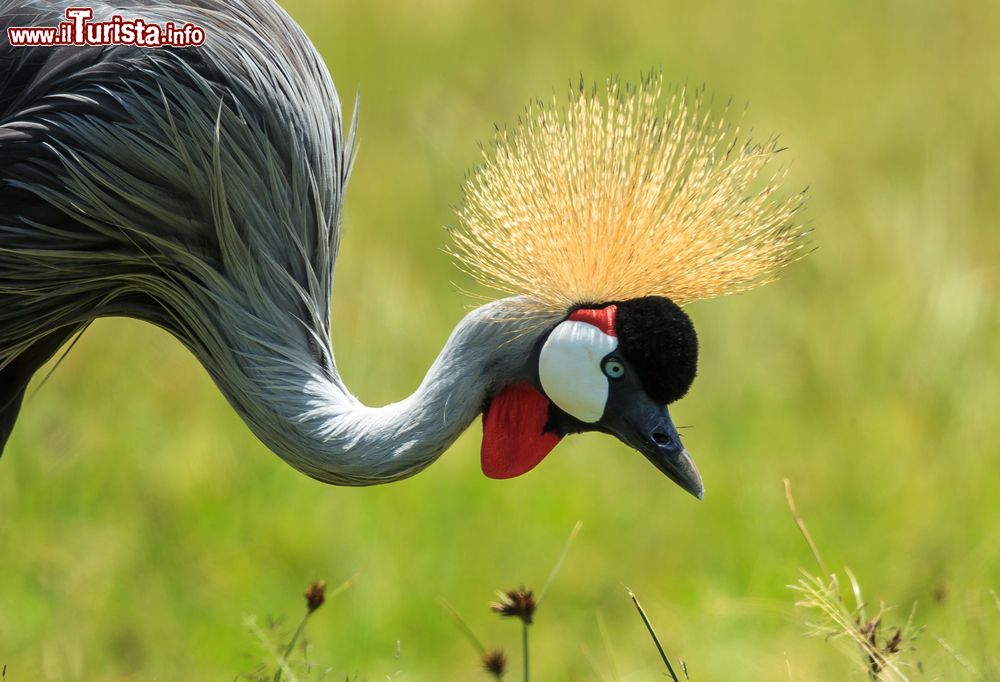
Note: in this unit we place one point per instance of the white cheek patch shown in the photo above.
(569, 368)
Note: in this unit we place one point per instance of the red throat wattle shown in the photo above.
(514, 440)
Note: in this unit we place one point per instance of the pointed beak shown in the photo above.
(662, 446)
(651, 431)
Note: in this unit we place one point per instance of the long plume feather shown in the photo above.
(622, 194)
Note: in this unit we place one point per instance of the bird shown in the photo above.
(200, 189)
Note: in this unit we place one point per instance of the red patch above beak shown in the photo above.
(513, 438)
(603, 318)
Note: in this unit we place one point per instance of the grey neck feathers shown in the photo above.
(200, 190)
(305, 413)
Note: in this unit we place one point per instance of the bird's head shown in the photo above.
(612, 368)
(642, 203)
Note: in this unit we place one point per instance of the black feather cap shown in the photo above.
(658, 340)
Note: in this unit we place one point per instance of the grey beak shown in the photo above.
(649, 429)
(681, 470)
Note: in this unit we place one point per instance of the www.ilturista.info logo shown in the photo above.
(80, 30)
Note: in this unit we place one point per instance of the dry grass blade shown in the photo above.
(958, 658)
(557, 567)
(652, 633)
(839, 621)
(609, 651)
(464, 628)
(880, 652)
(803, 529)
(592, 662)
(859, 600)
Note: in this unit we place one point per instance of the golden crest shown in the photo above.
(622, 194)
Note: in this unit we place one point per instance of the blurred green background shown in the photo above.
(140, 520)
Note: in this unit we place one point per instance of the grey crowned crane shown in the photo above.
(200, 189)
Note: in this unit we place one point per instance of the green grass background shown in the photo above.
(140, 520)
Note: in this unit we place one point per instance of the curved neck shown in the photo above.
(316, 425)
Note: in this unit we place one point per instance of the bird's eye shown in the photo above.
(614, 369)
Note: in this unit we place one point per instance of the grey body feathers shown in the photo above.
(200, 190)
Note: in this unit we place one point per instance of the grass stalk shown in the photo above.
(316, 595)
(557, 567)
(652, 633)
(269, 646)
(802, 529)
(464, 628)
(608, 649)
(524, 645)
(291, 644)
(958, 658)
(880, 654)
